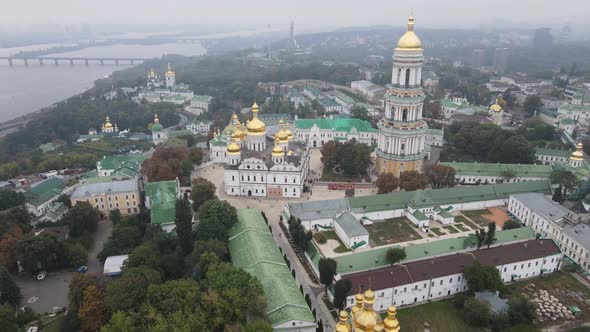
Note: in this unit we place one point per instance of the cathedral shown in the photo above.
(363, 318)
(401, 142)
(108, 127)
(258, 163)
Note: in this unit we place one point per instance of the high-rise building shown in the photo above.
(478, 57)
(542, 38)
(400, 146)
(292, 42)
(500, 59)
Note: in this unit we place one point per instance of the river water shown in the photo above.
(27, 89)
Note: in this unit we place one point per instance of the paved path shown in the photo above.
(103, 232)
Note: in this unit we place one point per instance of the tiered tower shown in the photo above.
(402, 131)
(363, 318)
(256, 137)
(170, 77)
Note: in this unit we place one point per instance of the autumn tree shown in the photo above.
(167, 164)
(386, 183)
(78, 284)
(440, 176)
(201, 191)
(8, 242)
(93, 313)
(412, 180)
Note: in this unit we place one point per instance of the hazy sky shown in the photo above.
(312, 13)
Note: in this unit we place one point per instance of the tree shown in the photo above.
(175, 295)
(341, 289)
(115, 216)
(395, 255)
(77, 286)
(215, 219)
(202, 191)
(566, 179)
(521, 310)
(490, 236)
(327, 268)
(126, 292)
(477, 313)
(40, 252)
(329, 154)
(412, 180)
(360, 112)
(75, 253)
(532, 104)
(511, 224)
(120, 322)
(9, 291)
(480, 278)
(82, 218)
(440, 176)
(514, 150)
(9, 199)
(207, 259)
(508, 174)
(480, 234)
(300, 236)
(144, 255)
(386, 183)
(8, 243)
(93, 313)
(196, 156)
(184, 225)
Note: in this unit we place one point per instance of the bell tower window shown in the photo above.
(407, 78)
(405, 115)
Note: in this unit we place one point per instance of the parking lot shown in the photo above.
(43, 295)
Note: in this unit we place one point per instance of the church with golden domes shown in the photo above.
(258, 163)
(363, 318)
(108, 127)
(401, 142)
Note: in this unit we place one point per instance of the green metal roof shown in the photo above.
(435, 131)
(375, 258)
(162, 196)
(253, 249)
(567, 121)
(198, 98)
(44, 191)
(446, 196)
(340, 124)
(419, 215)
(124, 164)
(553, 152)
(492, 169)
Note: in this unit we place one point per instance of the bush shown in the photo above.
(459, 301)
(521, 310)
(476, 312)
(321, 238)
(500, 322)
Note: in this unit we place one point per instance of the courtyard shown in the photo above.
(392, 231)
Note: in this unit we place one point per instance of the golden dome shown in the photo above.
(255, 126)
(169, 72)
(233, 148)
(107, 123)
(282, 134)
(288, 131)
(232, 127)
(234, 117)
(390, 323)
(367, 319)
(496, 107)
(410, 40)
(277, 151)
(342, 325)
(578, 154)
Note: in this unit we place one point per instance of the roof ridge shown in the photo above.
(265, 261)
(285, 305)
(247, 229)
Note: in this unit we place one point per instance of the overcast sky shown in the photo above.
(311, 13)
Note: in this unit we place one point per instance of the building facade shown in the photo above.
(400, 146)
(316, 132)
(199, 128)
(107, 196)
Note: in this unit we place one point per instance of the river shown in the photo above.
(27, 89)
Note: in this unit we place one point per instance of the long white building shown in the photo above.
(440, 277)
(552, 220)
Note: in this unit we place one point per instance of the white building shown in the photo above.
(259, 164)
(201, 127)
(441, 277)
(484, 173)
(199, 104)
(317, 132)
(368, 88)
(554, 221)
(434, 137)
(351, 231)
(165, 91)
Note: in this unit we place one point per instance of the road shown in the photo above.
(103, 232)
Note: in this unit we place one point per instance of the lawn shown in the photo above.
(441, 315)
(461, 227)
(451, 229)
(392, 231)
(329, 175)
(476, 216)
(463, 220)
(437, 231)
(331, 235)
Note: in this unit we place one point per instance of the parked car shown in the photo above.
(82, 269)
(41, 275)
(32, 329)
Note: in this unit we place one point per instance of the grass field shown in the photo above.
(392, 231)
(463, 220)
(441, 315)
(437, 231)
(476, 216)
(329, 175)
(331, 235)
(450, 229)
(461, 227)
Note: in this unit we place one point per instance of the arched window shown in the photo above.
(399, 76)
(405, 115)
(407, 77)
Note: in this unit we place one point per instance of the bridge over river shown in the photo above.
(13, 61)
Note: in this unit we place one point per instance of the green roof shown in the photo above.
(376, 258)
(327, 102)
(419, 215)
(574, 108)
(253, 249)
(123, 164)
(205, 99)
(492, 169)
(446, 196)
(553, 152)
(340, 124)
(550, 112)
(162, 196)
(567, 121)
(44, 191)
(435, 131)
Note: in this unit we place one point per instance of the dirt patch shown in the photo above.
(497, 215)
